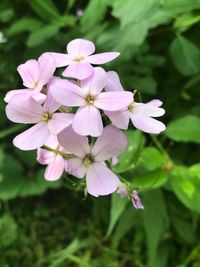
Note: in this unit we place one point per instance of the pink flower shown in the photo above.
(89, 161)
(113, 82)
(44, 117)
(35, 74)
(56, 163)
(89, 98)
(136, 200)
(80, 58)
(122, 191)
(141, 115)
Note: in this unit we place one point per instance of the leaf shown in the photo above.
(8, 231)
(118, 205)
(146, 84)
(155, 221)
(40, 36)
(129, 157)
(185, 55)
(25, 24)
(185, 129)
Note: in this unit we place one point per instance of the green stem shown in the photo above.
(64, 155)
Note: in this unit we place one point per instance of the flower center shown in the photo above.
(46, 117)
(78, 59)
(131, 106)
(90, 99)
(88, 160)
(35, 84)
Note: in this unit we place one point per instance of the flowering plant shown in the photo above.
(78, 119)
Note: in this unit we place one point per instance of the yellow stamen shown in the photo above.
(90, 100)
(131, 106)
(78, 59)
(46, 117)
(88, 160)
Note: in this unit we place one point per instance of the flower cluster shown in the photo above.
(68, 116)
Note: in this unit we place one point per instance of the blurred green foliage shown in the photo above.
(159, 42)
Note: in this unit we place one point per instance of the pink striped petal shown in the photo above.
(29, 73)
(47, 66)
(59, 122)
(113, 82)
(113, 101)
(61, 60)
(55, 168)
(119, 118)
(74, 143)
(80, 47)
(110, 144)
(87, 121)
(78, 70)
(76, 167)
(100, 180)
(147, 124)
(67, 93)
(102, 57)
(95, 83)
(27, 112)
(33, 138)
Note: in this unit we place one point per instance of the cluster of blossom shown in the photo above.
(69, 130)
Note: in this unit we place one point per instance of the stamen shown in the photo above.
(46, 117)
(90, 100)
(88, 160)
(78, 59)
(131, 106)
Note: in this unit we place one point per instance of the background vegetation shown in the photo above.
(52, 224)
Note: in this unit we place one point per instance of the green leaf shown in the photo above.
(185, 129)
(185, 55)
(8, 231)
(40, 36)
(146, 84)
(25, 24)
(118, 205)
(155, 221)
(129, 157)
(186, 187)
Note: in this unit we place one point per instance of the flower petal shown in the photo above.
(47, 66)
(113, 82)
(120, 119)
(113, 101)
(155, 102)
(67, 93)
(33, 138)
(74, 143)
(76, 168)
(12, 93)
(110, 144)
(148, 110)
(29, 72)
(44, 156)
(55, 168)
(147, 124)
(78, 70)
(59, 122)
(100, 180)
(80, 47)
(50, 103)
(102, 57)
(87, 121)
(24, 112)
(95, 83)
(61, 60)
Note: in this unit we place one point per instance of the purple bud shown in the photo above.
(122, 191)
(115, 161)
(136, 200)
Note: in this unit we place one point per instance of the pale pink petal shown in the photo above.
(113, 101)
(29, 73)
(80, 47)
(55, 168)
(101, 180)
(76, 167)
(32, 138)
(47, 67)
(61, 60)
(87, 121)
(59, 122)
(50, 103)
(155, 102)
(52, 142)
(24, 112)
(110, 144)
(74, 143)
(67, 93)
(148, 110)
(95, 83)
(120, 119)
(10, 94)
(113, 82)
(147, 124)
(38, 97)
(44, 156)
(102, 57)
(78, 70)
